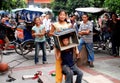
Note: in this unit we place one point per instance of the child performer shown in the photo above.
(69, 67)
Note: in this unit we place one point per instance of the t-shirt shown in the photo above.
(115, 28)
(47, 24)
(39, 30)
(88, 26)
(2, 31)
(67, 57)
(105, 24)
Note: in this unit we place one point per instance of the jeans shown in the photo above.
(48, 40)
(70, 71)
(105, 36)
(39, 45)
(89, 47)
(115, 45)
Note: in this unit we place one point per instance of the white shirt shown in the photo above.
(47, 24)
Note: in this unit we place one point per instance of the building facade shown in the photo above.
(39, 3)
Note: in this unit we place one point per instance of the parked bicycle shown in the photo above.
(102, 45)
(26, 47)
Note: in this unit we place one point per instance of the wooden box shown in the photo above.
(83, 60)
(72, 36)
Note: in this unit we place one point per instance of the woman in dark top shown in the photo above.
(115, 31)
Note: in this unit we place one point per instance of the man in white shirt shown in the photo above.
(42, 17)
(47, 24)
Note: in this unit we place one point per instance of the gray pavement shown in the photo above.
(106, 68)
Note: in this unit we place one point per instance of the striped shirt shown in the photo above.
(88, 26)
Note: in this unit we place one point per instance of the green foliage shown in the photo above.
(57, 5)
(11, 4)
(71, 5)
(112, 5)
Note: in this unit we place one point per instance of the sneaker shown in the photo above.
(45, 62)
(91, 64)
(4, 53)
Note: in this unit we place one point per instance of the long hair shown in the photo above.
(35, 20)
(61, 10)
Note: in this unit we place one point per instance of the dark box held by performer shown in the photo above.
(73, 38)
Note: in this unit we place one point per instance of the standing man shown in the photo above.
(42, 17)
(47, 24)
(86, 33)
(3, 34)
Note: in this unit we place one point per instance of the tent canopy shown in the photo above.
(17, 9)
(43, 10)
(90, 9)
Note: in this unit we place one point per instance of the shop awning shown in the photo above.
(90, 9)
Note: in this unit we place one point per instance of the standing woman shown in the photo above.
(115, 31)
(38, 32)
(57, 27)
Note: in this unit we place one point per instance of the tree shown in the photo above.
(56, 5)
(112, 5)
(71, 5)
(11, 4)
(68, 5)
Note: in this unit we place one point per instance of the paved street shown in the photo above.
(106, 70)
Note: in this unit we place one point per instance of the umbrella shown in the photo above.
(90, 9)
